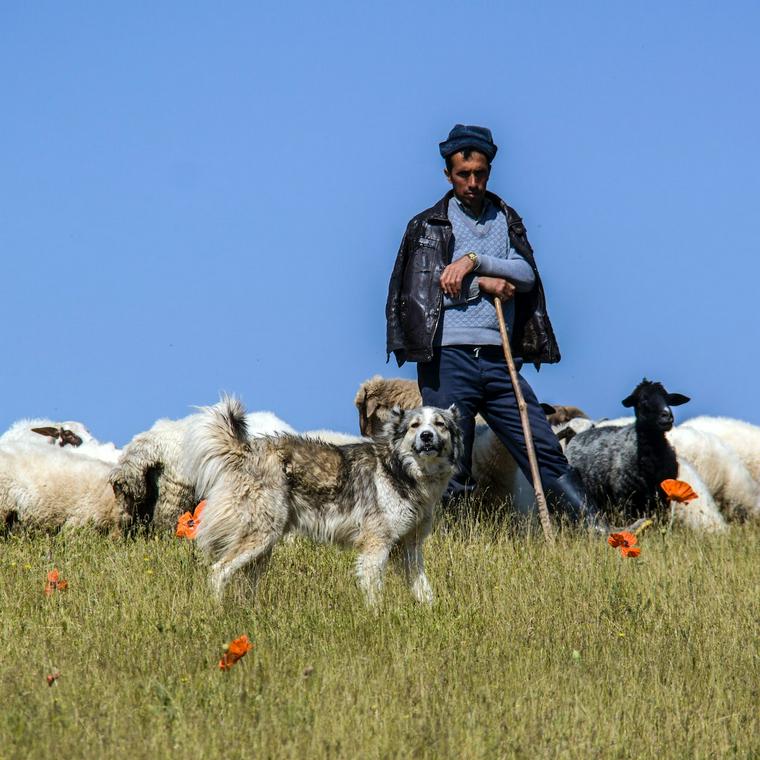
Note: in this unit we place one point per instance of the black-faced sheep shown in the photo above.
(625, 465)
(701, 514)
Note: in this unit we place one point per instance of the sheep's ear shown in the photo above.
(676, 399)
(548, 409)
(49, 431)
(566, 434)
(630, 401)
(70, 437)
(367, 409)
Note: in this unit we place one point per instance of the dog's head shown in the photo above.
(426, 433)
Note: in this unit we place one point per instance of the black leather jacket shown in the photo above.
(415, 298)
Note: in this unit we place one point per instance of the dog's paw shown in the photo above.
(422, 591)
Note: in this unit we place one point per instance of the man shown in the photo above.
(455, 259)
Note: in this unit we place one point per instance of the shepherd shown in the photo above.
(456, 260)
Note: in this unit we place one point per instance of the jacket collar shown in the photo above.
(440, 212)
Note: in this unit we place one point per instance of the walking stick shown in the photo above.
(543, 511)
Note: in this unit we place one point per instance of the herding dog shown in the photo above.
(374, 496)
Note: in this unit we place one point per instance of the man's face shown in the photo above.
(469, 178)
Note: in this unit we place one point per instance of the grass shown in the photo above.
(529, 652)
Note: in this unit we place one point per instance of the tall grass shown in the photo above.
(570, 652)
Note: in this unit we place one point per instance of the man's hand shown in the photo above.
(496, 287)
(451, 279)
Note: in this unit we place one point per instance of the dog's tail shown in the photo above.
(216, 441)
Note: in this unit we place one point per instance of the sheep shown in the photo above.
(720, 469)
(378, 395)
(150, 479)
(496, 473)
(50, 488)
(40, 432)
(732, 486)
(332, 436)
(557, 414)
(742, 437)
(702, 513)
(626, 465)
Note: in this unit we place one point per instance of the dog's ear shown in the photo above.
(396, 414)
(453, 410)
(392, 422)
(548, 409)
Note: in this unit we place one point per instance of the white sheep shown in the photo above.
(742, 437)
(497, 474)
(49, 488)
(150, 480)
(729, 481)
(333, 436)
(69, 435)
(702, 513)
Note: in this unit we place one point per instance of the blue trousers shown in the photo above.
(476, 379)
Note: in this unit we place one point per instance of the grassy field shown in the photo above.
(528, 652)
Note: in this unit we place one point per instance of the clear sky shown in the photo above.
(198, 197)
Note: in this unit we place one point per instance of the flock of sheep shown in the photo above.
(56, 474)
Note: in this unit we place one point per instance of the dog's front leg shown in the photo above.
(370, 567)
(414, 570)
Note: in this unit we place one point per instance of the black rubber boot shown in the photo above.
(569, 493)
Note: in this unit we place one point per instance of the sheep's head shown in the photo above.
(377, 397)
(652, 403)
(556, 414)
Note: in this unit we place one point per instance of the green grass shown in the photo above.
(530, 652)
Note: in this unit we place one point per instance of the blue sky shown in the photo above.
(197, 197)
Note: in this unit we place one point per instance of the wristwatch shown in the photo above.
(473, 257)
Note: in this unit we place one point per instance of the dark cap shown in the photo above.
(475, 138)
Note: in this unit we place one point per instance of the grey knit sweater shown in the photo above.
(471, 318)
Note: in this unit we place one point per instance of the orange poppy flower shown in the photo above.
(234, 651)
(187, 525)
(624, 538)
(53, 677)
(678, 490)
(626, 541)
(55, 582)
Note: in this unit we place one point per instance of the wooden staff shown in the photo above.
(543, 511)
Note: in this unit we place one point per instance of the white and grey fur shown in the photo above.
(373, 496)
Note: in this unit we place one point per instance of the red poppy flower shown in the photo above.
(234, 651)
(626, 541)
(678, 490)
(53, 677)
(55, 582)
(187, 525)
(624, 538)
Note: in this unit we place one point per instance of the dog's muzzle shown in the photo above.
(427, 442)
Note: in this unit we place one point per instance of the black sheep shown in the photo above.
(625, 465)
